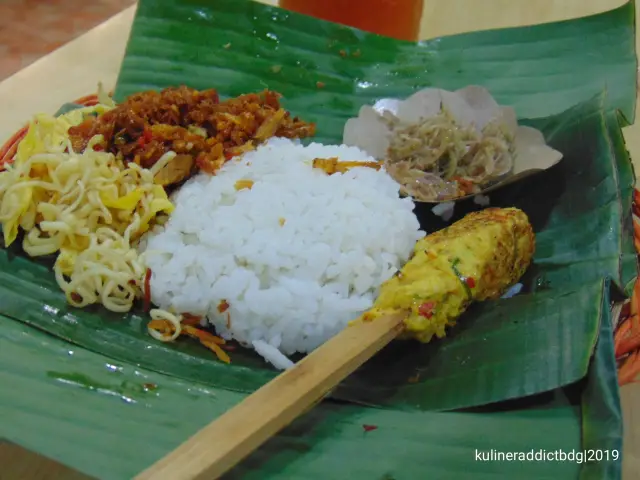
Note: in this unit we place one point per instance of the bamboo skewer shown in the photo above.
(230, 438)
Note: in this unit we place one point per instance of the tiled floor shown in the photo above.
(30, 29)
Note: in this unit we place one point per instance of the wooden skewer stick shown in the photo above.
(230, 438)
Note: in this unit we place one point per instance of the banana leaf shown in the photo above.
(580, 209)
(532, 372)
(515, 347)
(327, 71)
(111, 419)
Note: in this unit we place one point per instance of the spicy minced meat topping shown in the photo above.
(189, 122)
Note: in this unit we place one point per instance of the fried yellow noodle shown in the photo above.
(174, 322)
(90, 208)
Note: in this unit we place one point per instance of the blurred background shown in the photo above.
(30, 29)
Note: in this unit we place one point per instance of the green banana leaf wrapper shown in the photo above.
(532, 373)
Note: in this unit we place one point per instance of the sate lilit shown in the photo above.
(477, 258)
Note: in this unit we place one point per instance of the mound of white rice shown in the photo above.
(296, 257)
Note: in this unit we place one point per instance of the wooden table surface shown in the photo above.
(75, 69)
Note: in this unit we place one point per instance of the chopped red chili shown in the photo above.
(148, 136)
(470, 282)
(367, 317)
(426, 309)
(76, 297)
(147, 290)
(223, 306)
(369, 428)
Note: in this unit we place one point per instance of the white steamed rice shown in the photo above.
(290, 287)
